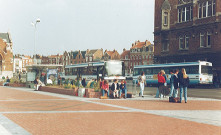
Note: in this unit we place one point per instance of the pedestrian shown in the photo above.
(19, 76)
(83, 82)
(171, 82)
(100, 82)
(142, 82)
(161, 82)
(105, 88)
(165, 76)
(183, 82)
(176, 83)
(115, 88)
(123, 88)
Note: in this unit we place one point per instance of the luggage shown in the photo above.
(174, 100)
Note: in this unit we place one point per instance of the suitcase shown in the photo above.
(174, 100)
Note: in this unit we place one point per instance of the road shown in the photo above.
(191, 92)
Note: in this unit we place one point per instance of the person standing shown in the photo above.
(184, 82)
(142, 82)
(115, 88)
(165, 76)
(171, 83)
(83, 82)
(176, 83)
(105, 88)
(161, 82)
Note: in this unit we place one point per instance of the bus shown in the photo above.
(109, 70)
(199, 72)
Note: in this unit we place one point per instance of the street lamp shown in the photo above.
(35, 24)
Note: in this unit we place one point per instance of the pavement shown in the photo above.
(24, 111)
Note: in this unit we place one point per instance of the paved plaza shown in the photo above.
(25, 111)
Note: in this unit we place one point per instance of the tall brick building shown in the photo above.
(188, 30)
(6, 55)
(141, 53)
(111, 55)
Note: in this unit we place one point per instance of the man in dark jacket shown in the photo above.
(115, 88)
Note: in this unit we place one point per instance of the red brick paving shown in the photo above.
(165, 105)
(109, 124)
(65, 105)
(11, 94)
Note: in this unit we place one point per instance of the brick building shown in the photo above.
(78, 57)
(188, 30)
(141, 53)
(94, 55)
(26, 61)
(55, 59)
(125, 57)
(111, 55)
(45, 60)
(6, 55)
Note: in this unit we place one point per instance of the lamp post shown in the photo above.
(35, 24)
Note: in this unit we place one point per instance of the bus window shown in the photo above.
(193, 70)
(156, 70)
(137, 71)
(148, 71)
(206, 69)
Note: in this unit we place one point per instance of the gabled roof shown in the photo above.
(110, 52)
(83, 53)
(141, 44)
(92, 51)
(5, 36)
(74, 54)
(127, 52)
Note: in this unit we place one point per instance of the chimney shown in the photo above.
(133, 45)
(124, 50)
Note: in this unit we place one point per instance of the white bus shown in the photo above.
(108, 70)
(199, 72)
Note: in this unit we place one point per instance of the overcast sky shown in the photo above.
(76, 24)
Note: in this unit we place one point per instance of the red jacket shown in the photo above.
(105, 86)
(161, 79)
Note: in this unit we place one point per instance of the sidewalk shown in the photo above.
(36, 112)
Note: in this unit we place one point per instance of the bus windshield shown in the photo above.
(206, 69)
(114, 68)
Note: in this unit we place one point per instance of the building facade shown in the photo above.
(111, 55)
(6, 55)
(94, 55)
(125, 57)
(188, 30)
(141, 53)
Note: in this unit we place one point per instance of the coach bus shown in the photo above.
(199, 72)
(108, 70)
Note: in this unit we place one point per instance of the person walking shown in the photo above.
(105, 88)
(83, 82)
(142, 82)
(161, 82)
(183, 82)
(171, 83)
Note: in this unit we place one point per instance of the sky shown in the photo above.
(70, 25)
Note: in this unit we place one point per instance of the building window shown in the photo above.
(185, 14)
(209, 39)
(207, 9)
(184, 42)
(202, 40)
(165, 19)
(165, 46)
